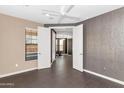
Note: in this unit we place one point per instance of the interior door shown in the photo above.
(44, 48)
(78, 47)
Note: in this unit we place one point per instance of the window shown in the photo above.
(31, 44)
(61, 44)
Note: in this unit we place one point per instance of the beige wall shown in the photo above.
(12, 44)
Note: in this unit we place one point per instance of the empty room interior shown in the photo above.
(61, 46)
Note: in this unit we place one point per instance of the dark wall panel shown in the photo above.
(70, 46)
(104, 44)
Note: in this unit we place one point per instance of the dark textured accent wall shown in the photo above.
(104, 44)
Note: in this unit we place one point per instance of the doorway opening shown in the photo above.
(69, 42)
(47, 50)
(63, 46)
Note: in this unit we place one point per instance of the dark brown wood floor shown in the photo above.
(61, 75)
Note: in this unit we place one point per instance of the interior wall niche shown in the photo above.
(31, 45)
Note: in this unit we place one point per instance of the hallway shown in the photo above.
(61, 75)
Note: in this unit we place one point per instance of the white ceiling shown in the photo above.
(63, 32)
(36, 13)
(66, 31)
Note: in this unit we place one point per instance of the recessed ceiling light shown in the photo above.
(47, 15)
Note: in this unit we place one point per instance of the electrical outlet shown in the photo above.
(16, 65)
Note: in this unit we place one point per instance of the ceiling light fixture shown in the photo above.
(47, 15)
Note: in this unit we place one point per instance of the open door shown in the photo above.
(44, 48)
(78, 47)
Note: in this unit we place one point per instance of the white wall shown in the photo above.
(63, 36)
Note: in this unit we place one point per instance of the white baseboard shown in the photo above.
(18, 72)
(78, 69)
(39, 68)
(105, 77)
(91, 72)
